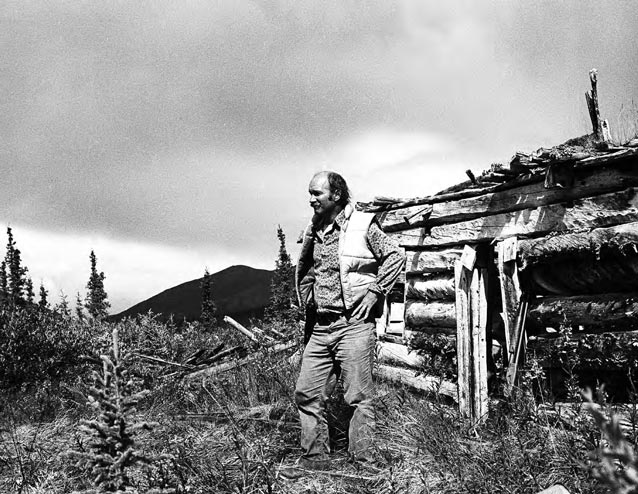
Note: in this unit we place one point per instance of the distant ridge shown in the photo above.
(240, 291)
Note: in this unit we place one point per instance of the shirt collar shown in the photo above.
(341, 218)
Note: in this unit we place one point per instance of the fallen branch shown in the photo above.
(246, 332)
(278, 348)
(240, 328)
(162, 361)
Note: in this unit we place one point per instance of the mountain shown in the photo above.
(241, 292)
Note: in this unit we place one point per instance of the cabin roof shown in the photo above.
(552, 164)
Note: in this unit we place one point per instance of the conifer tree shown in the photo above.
(96, 302)
(16, 273)
(111, 449)
(79, 307)
(43, 302)
(28, 289)
(62, 307)
(3, 283)
(283, 295)
(209, 309)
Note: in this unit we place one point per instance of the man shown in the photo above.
(346, 267)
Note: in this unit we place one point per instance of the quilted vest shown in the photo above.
(357, 265)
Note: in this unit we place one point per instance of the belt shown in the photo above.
(327, 318)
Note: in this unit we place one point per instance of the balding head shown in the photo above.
(337, 185)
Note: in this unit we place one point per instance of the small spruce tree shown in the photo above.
(62, 307)
(79, 307)
(16, 275)
(209, 309)
(29, 293)
(43, 303)
(4, 287)
(283, 295)
(96, 302)
(111, 449)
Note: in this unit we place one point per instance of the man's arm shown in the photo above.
(391, 259)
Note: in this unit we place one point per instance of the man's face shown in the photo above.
(322, 200)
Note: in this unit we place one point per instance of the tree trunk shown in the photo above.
(438, 287)
(430, 317)
(432, 261)
(408, 378)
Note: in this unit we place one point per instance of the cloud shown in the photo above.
(134, 271)
(198, 124)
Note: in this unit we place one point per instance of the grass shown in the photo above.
(232, 433)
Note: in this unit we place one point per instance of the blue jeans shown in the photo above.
(346, 348)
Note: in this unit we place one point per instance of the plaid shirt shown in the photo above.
(327, 286)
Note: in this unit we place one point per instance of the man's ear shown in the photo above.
(336, 196)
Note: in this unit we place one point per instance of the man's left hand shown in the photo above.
(362, 311)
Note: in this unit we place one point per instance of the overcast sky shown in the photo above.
(174, 136)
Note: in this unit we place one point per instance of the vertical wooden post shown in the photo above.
(514, 309)
(599, 126)
(462, 279)
(471, 337)
(478, 305)
(510, 288)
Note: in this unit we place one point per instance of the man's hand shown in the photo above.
(362, 311)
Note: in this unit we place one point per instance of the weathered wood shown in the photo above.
(587, 183)
(518, 342)
(391, 204)
(601, 261)
(582, 276)
(429, 288)
(608, 312)
(398, 354)
(226, 366)
(432, 261)
(593, 212)
(592, 105)
(598, 244)
(417, 382)
(462, 280)
(479, 311)
(246, 332)
(425, 315)
(510, 287)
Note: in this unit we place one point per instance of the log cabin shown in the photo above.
(545, 244)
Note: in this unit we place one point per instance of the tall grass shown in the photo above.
(233, 431)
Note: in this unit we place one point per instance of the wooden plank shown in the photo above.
(593, 212)
(518, 340)
(587, 183)
(432, 261)
(510, 288)
(606, 312)
(478, 310)
(420, 314)
(462, 280)
(430, 287)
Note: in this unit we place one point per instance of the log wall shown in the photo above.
(576, 259)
